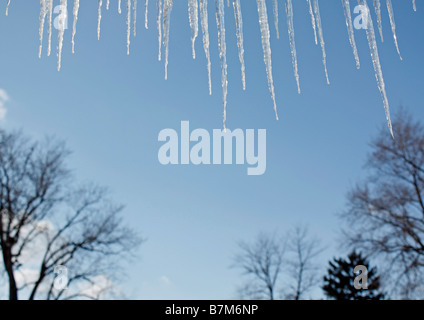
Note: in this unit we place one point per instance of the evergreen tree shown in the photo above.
(339, 283)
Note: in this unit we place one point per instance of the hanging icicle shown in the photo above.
(377, 7)
(159, 25)
(350, 30)
(146, 14)
(376, 63)
(314, 24)
(50, 10)
(393, 24)
(220, 22)
(289, 11)
(7, 8)
(240, 41)
(193, 14)
(128, 25)
(321, 37)
(99, 18)
(74, 27)
(205, 30)
(43, 13)
(266, 45)
(275, 10)
(61, 26)
(167, 9)
(164, 9)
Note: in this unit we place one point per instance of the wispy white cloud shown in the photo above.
(4, 97)
(165, 280)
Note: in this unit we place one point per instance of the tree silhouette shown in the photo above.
(339, 282)
(385, 212)
(46, 221)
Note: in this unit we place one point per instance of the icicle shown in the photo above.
(107, 4)
(264, 26)
(135, 17)
(119, 7)
(99, 18)
(393, 24)
(349, 24)
(239, 27)
(377, 7)
(289, 10)
(414, 5)
(376, 63)
(146, 14)
(205, 30)
(275, 9)
(128, 25)
(43, 13)
(50, 9)
(159, 24)
(7, 8)
(220, 22)
(74, 28)
(167, 10)
(314, 25)
(62, 26)
(321, 37)
(193, 14)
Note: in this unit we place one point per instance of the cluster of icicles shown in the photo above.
(199, 7)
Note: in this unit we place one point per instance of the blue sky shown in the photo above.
(110, 107)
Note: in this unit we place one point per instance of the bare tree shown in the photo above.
(386, 212)
(46, 221)
(302, 251)
(262, 262)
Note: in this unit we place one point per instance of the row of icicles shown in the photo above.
(198, 8)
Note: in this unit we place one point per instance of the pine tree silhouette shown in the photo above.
(339, 282)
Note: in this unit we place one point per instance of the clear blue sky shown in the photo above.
(110, 107)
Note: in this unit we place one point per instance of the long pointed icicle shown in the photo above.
(275, 10)
(289, 10)
(240, 40)
(314, 24)
(159, 25)
(266, 45)
(321, 37)
(128, 25)
(205, 30)
(119, 7)
(193, 14)
(376, 63)
(393, 24)
(414, 5)
(135, 17)
(74, 27)
(99, 18)
(350, 30)
(50, 12)
(43, 13)
(7, 8)
(107, 4)
(62, 27)
(167, 10)
(220, 22)
(377, 7)
(146, 14)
